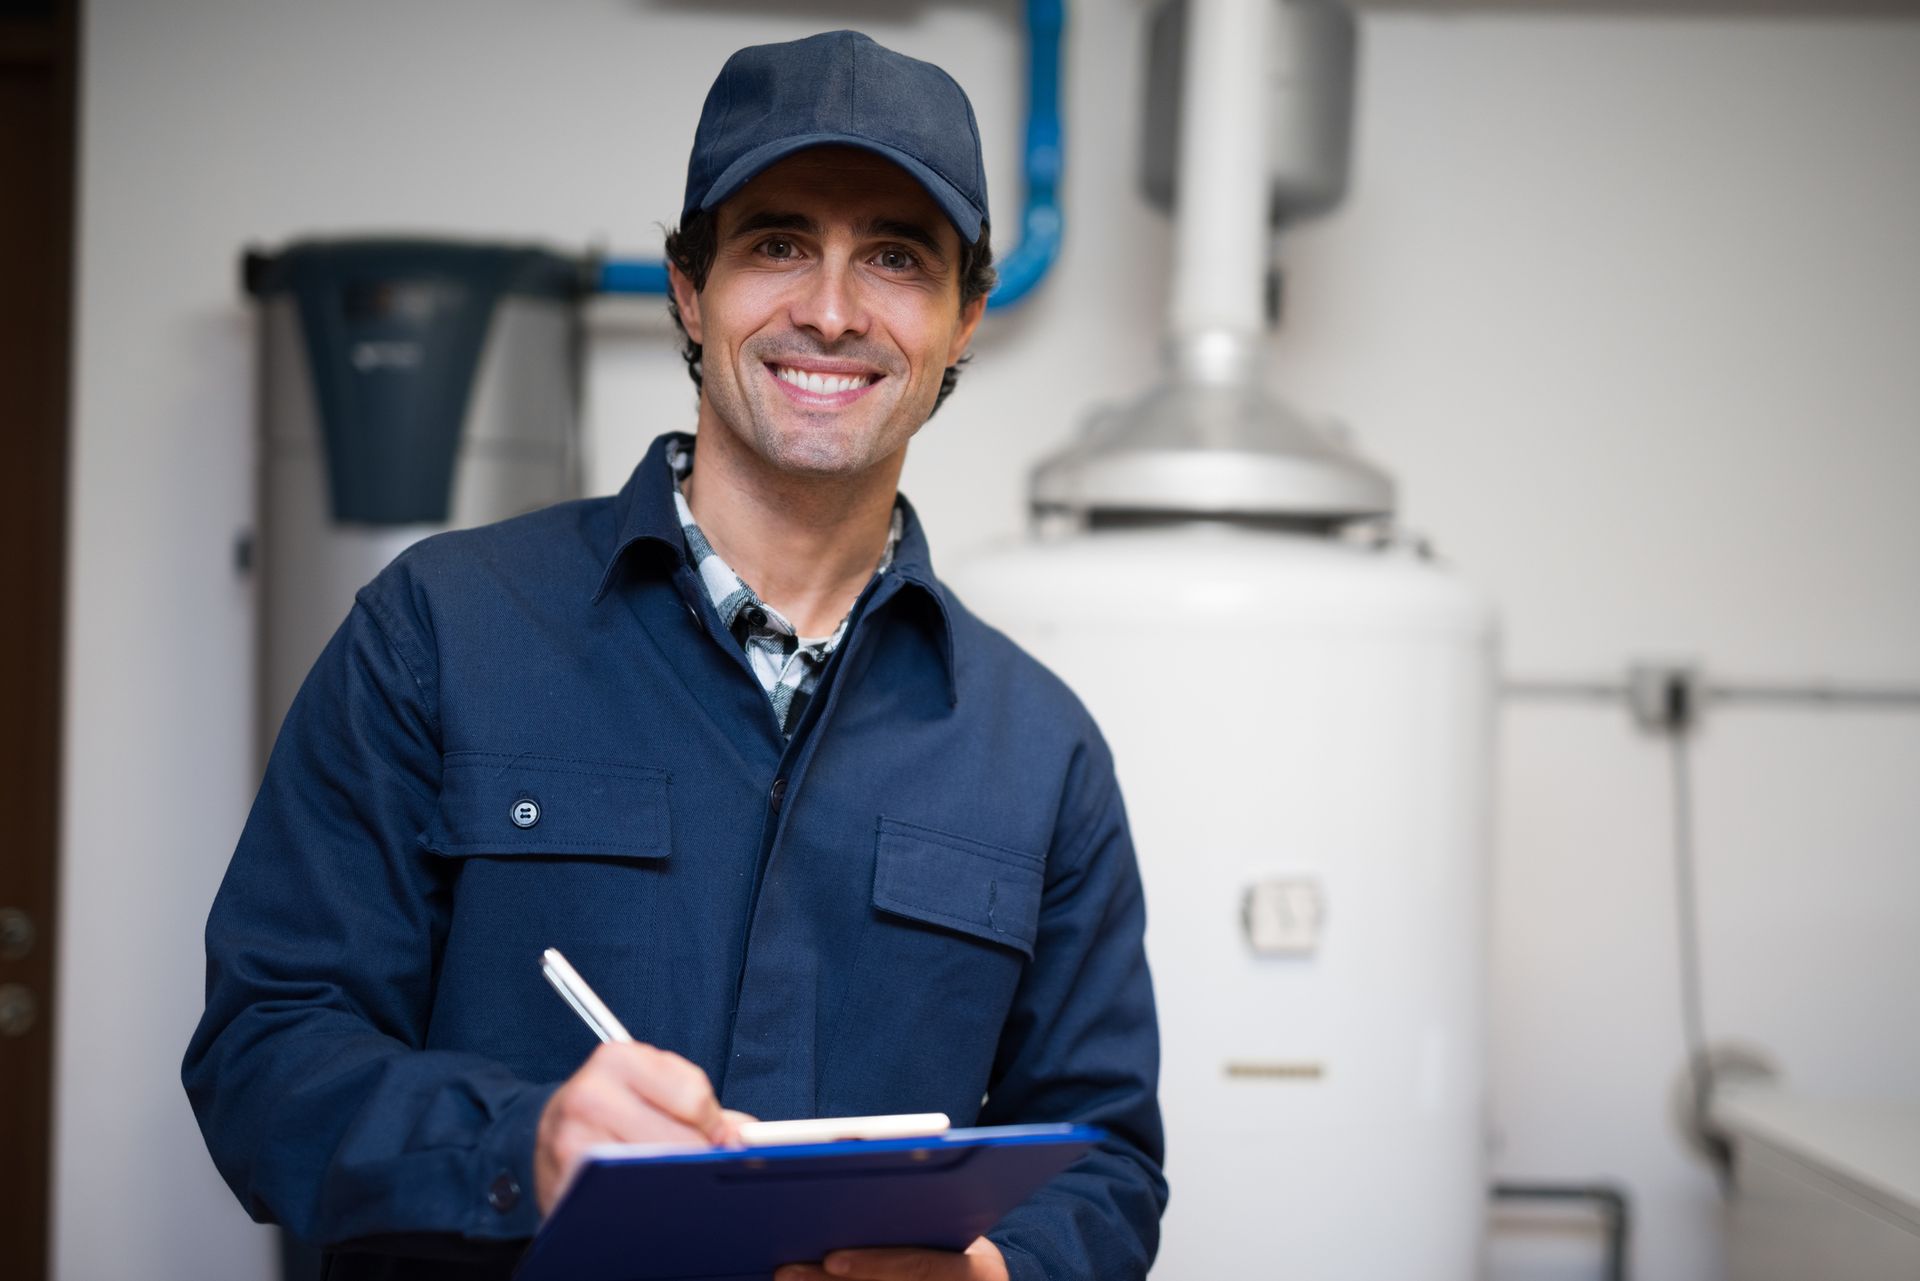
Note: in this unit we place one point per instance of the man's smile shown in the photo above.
(824, 384)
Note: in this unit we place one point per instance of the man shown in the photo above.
(824, 842)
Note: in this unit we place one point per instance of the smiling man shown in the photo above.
(827, 844)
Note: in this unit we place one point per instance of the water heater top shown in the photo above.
(1211, 441)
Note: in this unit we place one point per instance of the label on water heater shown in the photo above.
(1283, 916)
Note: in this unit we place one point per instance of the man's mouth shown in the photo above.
(830, 383)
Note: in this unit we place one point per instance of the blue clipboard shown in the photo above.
(736, 1214)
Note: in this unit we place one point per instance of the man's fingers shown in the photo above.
(617, 1113)
(669, 1084)
(625, 1093)
(633, 1093)
(674, 1086)
(734, 1120)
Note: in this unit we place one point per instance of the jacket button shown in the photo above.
(503, 1193)
(757, 616)
(779, 792)
(525, 812)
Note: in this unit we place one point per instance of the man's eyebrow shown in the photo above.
(774, 220)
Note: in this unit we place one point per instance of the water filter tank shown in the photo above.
(407, 386)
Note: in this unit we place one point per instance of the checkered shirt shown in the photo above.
(787, 663)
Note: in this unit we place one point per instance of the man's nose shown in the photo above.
(830, 302)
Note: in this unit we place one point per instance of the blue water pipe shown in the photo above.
(1040, 222)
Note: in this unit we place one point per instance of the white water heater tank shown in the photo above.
(1301, 722)
(1301, 725)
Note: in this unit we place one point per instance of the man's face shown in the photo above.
(830, 314)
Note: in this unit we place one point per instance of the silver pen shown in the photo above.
(585, 1002)
(594, 1012)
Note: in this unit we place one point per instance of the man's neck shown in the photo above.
(806, 545)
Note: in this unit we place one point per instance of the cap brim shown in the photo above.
(965, 216)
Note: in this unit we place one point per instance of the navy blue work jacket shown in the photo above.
(925, 897)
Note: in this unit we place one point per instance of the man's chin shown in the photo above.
(812, 453)
(821, 464)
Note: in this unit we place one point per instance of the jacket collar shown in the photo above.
(645, 513)
(912, 570)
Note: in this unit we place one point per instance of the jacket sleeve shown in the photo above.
(1082, 1045)
(308, 1073)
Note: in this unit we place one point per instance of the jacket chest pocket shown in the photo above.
(541, 852)
(954, 924)
(501, 804)
(973, 888)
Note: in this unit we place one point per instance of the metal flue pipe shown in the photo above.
(1221, 236)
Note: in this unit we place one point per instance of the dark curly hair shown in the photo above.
(692, 245)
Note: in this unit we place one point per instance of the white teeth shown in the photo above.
(820, 384)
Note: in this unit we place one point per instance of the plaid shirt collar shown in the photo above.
(787, 664)
(646, 536)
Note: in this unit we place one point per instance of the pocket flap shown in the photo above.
(958, 883)
(503, 803)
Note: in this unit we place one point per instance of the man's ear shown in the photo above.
(969, 321)
(687, 299)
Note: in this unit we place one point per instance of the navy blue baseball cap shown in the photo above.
(841, 89)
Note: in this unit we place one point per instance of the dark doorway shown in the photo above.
(38, 57)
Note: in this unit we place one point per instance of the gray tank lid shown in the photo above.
(393, 332)
(519, 269)
(1211, 441)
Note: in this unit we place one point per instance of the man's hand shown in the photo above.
(982, 1261)
(625, 1093)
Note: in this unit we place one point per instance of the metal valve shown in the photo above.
(17, 1010)
(16, 934)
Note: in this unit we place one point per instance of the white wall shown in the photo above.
(1630, 305)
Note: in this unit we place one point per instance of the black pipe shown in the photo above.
(1609, 1200)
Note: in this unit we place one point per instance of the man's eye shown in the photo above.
(777, 248)
(896, 259)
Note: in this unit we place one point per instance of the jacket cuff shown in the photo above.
(504, 1205)
(1021, 1266)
